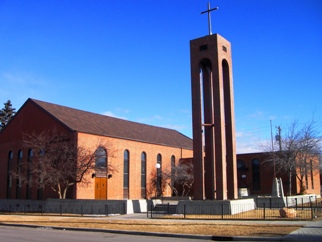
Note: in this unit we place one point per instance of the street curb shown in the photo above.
(156, 234)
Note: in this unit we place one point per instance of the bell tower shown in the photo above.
(213, 121)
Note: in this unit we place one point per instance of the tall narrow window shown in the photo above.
(241, 165)
(29, 175)
(40, 190)
(173, 172)
(241, 172)
(143, 175)
(306, 176)
(18, 181)
(159, 175)
(312, 175)
(100, 162)
(9, 176)
(126, 182)
(256, 175)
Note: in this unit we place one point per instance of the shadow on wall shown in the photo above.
(136, 206)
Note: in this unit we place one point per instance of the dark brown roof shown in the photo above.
(87, 122)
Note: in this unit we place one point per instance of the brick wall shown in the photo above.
(30, 119)
(115, 148)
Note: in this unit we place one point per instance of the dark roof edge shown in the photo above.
(43, 109)
(254, 153)
(124, 120)
(35, 101)
(137, 140)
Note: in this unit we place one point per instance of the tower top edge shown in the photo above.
(210, 38)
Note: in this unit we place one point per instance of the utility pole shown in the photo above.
(273, 153)
(279, 137)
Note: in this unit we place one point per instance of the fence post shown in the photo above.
(106, 209)
(270, 203)
(184, 211)
(264, 211)
(296, 203)
(302, 203)
(311, 211)
(286, 201)
(168, 208)
(151, 207)
(222, 211)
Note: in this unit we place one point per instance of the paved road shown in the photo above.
(41, 234)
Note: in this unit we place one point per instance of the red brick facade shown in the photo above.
(213, 118)
(257, 175)
(37, 116)
(115, 184)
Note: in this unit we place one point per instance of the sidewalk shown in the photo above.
(311, 232)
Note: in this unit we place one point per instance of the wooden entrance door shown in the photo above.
(100, 188)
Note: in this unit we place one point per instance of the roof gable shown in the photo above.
(92, 123)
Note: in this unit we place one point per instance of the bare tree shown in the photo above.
(57, 162)
(157, 183)
(180, 178)
(298, 155)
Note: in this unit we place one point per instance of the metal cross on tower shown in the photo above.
(209, 16)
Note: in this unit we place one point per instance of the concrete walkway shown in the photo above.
(311, 232)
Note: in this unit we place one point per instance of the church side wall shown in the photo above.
(11, 140)
(115, 148)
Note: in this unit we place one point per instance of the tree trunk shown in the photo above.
(290, 183)
(65, 190)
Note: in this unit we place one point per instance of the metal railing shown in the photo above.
(62, 208)
(268, 211)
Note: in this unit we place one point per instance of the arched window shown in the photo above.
(241, 165)
(173, 161)
(9, 177)
(29, 174)
(143, 174)
(241, 169)
(159, 175)
(256, 175)
(173, 171)
(126, 175)
(40, 190)
(100, 162)
(18, 180)
(312, 175)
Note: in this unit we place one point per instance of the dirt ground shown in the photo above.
(177, 227)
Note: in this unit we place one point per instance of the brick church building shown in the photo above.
(137, 148)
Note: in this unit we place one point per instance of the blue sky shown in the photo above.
(130, 59)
